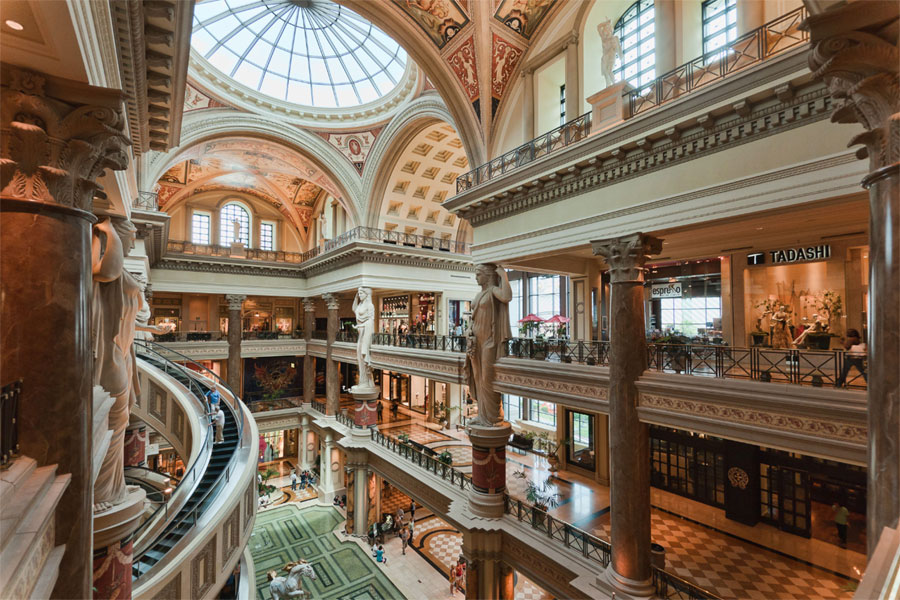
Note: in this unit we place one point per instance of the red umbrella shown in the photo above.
(558, 319)
(532, 318)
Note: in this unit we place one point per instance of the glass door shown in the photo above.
(580, 436)
(795, 501)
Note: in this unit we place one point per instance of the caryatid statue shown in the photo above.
(485, 341)
(612, 48)
(117, 298)
(365, 328)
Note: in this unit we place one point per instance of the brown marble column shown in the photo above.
(309, 361)
(332, 377)
(487, 578)
(855, 51)
(235, 365)
(57, 136)
(629, 442)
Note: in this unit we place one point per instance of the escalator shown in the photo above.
(210, 480)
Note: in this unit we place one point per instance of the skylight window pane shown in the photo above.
(319, 42)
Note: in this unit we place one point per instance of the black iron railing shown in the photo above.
(669, 585)
(9, 417)
(780, 365)
(218, 336)
(347, 336)
(753, 47)
(345, 419)
(429, 463)
(319, 406)
(393, 238)
(424, 341)
(146, 201)
(574, 131)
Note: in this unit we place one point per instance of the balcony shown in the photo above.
(772, 39)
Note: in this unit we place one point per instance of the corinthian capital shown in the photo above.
(627, 255)
(854, 50)
(58, 138)
(309, 305)
(332, 302)
(235, 302)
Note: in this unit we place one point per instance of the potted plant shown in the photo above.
(551, 448)
(446, 458)
(404, 438)
(263, 486)
(542, 497)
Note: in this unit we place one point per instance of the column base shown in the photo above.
(631, 587)
(113, 530)
(488, 469)
(488, 506)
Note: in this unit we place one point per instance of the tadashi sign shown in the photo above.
(791, 255)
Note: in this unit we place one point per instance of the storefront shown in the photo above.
(409, 313)
(420, 394)
(459, 316)
(781, 292)
(685, 299)
(394, 314)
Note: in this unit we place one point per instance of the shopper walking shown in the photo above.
(855, 357)
(293, 480)
(840, 521)
(404, 538)
(220, 425)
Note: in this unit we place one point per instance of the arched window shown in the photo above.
(230, 213)
(635, 30)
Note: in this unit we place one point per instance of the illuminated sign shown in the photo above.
(791, 255)
(666, 290)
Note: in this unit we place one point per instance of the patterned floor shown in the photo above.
(733, 568)
(462, 455)
(344, 570)
(417, 433)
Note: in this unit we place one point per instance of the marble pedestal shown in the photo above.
(488, 469)
(113, 533)
(365, 413)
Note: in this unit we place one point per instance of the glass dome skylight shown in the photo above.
(308, 52)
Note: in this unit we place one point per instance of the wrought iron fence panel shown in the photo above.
(735, 362)
(558, 530)
(597, 550)
(704, 360)
(817, 367)
(777, 365)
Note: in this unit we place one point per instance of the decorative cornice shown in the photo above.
(608, 167)
(60, 136)
(227, 267)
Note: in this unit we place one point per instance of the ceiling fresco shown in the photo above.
(194, 99)
(439, 19)
(523, 16)
(354, 146)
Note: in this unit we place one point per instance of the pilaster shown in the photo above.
(234, 342)
(309, 361)
(332, 377)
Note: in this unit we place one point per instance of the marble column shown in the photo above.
(629, 442)
(350, 522)
(360, 499)
(485, 577)
(855, 52)
(58, 137)
(303, 451)
(235, 365)
(332, 377)
(309, 361)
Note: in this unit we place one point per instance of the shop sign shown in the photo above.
(666, 290)
(791, 255)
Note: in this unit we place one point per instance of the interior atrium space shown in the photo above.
(427, 299)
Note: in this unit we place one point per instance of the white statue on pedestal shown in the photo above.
(485, 341)
(612, 48)
(236, 232)
(290, 587)
(365, 327)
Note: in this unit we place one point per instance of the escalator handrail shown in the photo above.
(225, 475)
(192, 471)
(151, 345)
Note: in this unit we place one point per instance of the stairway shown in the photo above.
(28, 499)
(205, 493)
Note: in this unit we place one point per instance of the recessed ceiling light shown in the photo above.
(15, 25)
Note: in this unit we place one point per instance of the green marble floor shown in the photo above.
(345, 571)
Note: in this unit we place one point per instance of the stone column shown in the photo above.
(528, 108)
(360, 499)
(332, 377)
(629, 442)
(350, 522)
(855, 51)
(234, 342)
(309, 361)
(488, 469)
(573, 95)
(303, 453)
(58, 137)
(664, 27)
(485, 576)
(326, 480)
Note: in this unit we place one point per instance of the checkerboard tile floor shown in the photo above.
(732, 568)
(417, 433)
(528, 590)
(462, 455)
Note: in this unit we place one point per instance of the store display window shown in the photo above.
(284, 319)
(684, 300)
(459, 317)
(394, 315)
(422, 313)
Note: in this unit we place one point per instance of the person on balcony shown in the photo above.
(855, 357)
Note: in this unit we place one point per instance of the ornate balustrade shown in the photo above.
(319, 406)
(9, 428)
(445, 343)
(429, 463)
(565, 135)
(753, 47)
(779, 365)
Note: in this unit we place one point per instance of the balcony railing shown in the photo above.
(146, 201)
(753, 47)
(319, 406)
(420, 458)
(9, 427)
(259, 405)
(446, 343)
(347, 336)
(565, 135)
(217, 336)
(780, 365)
(180, 247)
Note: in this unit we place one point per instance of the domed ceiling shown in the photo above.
(308, 52)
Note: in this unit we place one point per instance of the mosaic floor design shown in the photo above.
(462, 455)
(417, 433)
(344, 570)
(733, 568)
